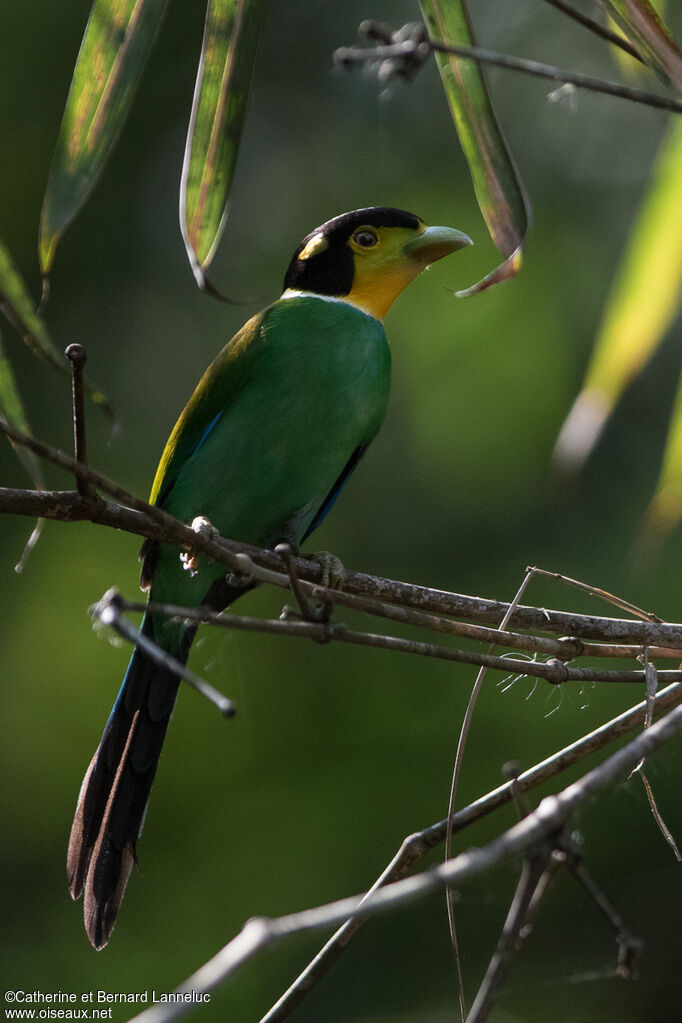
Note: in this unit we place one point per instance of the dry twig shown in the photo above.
(407, 51)
(546, 821)
(416, 846)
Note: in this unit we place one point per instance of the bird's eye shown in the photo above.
(366, 238)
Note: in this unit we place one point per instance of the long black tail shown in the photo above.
(113, 797)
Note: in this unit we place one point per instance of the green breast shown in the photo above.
(294, 402)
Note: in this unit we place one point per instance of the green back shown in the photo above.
(270, 429)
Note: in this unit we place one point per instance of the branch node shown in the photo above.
(75, 353)
(558, 672)
(243, 567)
(511, 772)
(629, 954)
(571, 647)
(285, 552)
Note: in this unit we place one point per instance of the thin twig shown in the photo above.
(597, 28)
(580, 81)
(629, 946)
(157, 524)
(29, 545)
(547, 820)
(137, 516)
(652, 678)
(109, 611)
(658, 817)
(459, 759)
(389, 597)
(412, 50)
(75, 353)
(514, 930)
(173, 528)
(553, 670)
(596, 591)
(416, 846)
(400, 601)
(287, 555)
(512, 771)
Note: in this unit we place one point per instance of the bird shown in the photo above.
(265, 445)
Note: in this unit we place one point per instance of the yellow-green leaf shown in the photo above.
(498, 189)
(17, 305)
(644, 27)
(117, 40)
(643, 301)
(665, 509)
(13, 412)
(221, 95)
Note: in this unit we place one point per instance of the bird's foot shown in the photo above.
(332, 576)
(190, 559)
(333, 573)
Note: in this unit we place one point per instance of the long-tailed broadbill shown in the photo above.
(263, 448)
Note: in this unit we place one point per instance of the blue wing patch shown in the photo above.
(206, 432)
(333, 494)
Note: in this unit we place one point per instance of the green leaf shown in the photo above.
(665, 509)
(498, 189)
(12, 410)
(643, 301)
(117, 40)
(17, 305)
(221, 95)
(646, 30)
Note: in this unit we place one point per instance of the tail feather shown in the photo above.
(113, 856)
(114, 794)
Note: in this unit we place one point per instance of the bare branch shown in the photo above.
(656, 814)
(596, 591)
(265, 566)
(416, 846)
(629, 946)
(399, 601)
(29, 545)
(459, 760)
(407, 55)
(597, 28)
(110, 609)
(533, 874)
(76, 355)
(287, 555)
(546, 821)
(553, 670)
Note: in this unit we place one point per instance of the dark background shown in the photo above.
(336, 753)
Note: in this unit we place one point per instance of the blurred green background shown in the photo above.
(336, 753)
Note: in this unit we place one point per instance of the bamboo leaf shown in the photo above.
(17, 305)
(221, 93)
(499, 191)
(647, 31)
(12, 410)
(642, 304)
(117, 40)
(665, 510)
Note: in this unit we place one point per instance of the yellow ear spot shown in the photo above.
(318, 243)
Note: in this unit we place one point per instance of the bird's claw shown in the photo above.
(203, 527)
(333, 573)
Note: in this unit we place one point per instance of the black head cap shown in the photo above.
(328, 267)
